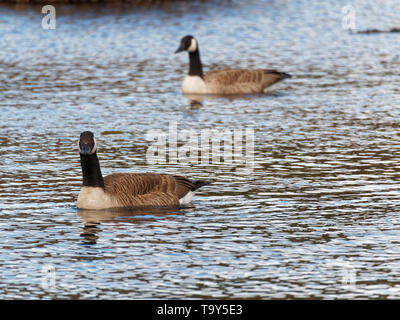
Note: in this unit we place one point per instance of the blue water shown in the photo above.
(318, 217)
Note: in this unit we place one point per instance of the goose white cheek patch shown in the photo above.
(94, 147)
(193, 46)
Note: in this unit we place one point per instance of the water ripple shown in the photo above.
(317, 217)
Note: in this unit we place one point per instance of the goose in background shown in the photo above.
(129, 190)
(224, 81)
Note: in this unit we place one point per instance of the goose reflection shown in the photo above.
(196, 100)
(93, 218)
(89, 232)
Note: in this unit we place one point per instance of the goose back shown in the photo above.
(146, 189)
(235, 81)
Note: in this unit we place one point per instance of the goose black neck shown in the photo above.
(91, 171)
(195, 67)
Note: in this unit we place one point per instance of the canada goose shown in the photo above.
(128, 189)
(224, 81)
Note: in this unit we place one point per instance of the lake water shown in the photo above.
(317, 214)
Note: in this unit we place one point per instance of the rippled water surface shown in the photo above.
(318, 217)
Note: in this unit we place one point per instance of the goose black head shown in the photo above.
(188, 43)
(87, 143)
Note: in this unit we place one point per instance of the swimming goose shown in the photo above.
(128, 189)
(224, 81)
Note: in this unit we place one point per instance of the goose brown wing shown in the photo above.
(230, 76)
(143, 189)
(242, 80)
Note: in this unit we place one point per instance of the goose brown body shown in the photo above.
(146, 189)
(235, 81)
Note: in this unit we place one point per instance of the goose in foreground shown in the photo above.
(224, 81)
(119, 190)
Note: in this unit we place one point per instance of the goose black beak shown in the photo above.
(180, 49)
(85, 149)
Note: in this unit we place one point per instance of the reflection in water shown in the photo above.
(128, 215)
(199, 98)
(93, 218)
(195, 104)
(89, 232)
(321, 201)
(195, 101)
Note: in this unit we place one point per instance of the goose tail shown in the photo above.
(200, 183)
(278, 74)
(285, 75)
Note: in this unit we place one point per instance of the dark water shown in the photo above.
(317, 217)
